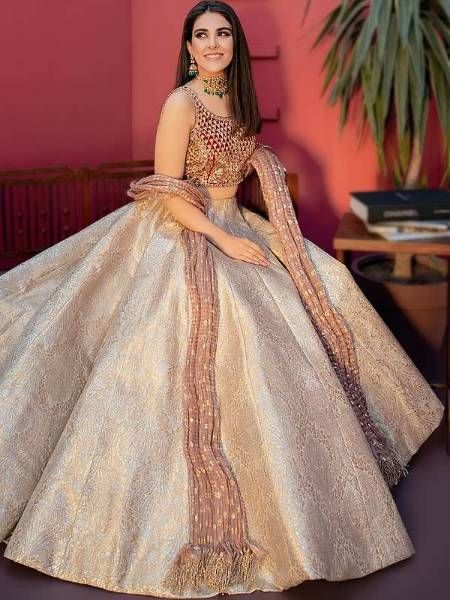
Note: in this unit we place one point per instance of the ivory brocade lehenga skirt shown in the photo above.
(94, 481)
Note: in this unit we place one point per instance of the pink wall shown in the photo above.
(306, 136)
(83, 81)
(65, 80)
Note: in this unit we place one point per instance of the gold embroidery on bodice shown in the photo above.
(216, 155)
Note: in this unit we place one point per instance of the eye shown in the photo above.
(202, 33)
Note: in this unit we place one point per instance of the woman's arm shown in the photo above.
(172, 138)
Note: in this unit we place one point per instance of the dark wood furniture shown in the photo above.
(353, 236)
(40, 207)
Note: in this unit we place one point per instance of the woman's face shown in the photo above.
(211, 34)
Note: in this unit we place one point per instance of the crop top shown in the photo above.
(216, 156)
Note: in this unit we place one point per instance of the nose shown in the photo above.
(213, 43)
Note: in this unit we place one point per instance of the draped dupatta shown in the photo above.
(219, 551)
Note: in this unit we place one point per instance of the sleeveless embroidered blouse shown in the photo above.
(216, 156)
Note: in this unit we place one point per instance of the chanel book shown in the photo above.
(401, 204)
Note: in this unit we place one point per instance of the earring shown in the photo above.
(193, 69)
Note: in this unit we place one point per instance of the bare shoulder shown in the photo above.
(179, 103)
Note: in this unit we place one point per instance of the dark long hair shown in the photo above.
(243, 101)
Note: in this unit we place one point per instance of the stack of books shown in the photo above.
(411, 214)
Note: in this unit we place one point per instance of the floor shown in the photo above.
(423, 499)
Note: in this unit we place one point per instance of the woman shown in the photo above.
(196, 400)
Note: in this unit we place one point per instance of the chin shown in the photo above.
(213, 70)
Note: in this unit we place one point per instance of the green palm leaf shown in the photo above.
(404, 11)
(396, 53)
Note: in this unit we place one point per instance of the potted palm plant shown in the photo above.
(393, 57)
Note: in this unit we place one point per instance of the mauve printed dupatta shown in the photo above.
(219, 551)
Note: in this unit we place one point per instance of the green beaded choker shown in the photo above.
(215, 86)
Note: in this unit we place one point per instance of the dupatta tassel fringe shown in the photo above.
(392, 468)
(214, 566)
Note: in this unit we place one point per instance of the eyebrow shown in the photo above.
(218, 29)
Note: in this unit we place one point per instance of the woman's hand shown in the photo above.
(241, 248)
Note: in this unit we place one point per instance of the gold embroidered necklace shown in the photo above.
(216, 86)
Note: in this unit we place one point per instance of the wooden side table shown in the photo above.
(353, 236)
